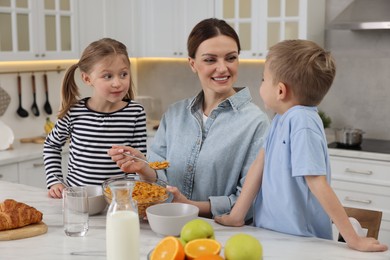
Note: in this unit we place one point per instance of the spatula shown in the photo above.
(34, 107)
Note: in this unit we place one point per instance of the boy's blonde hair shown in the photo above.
(306, 68)
(94, 53)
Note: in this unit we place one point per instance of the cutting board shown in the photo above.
(24, 232)
(35, 140)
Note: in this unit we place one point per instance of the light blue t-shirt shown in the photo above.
(295, 147)
(209, 161)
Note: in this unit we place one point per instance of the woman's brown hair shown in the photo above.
(207, 29)
(94, 53)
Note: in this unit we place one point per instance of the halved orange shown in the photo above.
(169, 248)
(202, 247)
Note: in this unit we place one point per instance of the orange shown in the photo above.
(210, 257)
(169, 248)
(202, 247)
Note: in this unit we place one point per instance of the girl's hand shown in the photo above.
(56, 191)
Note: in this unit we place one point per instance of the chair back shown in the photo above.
(368, 219)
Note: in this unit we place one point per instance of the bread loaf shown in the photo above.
(15, 214)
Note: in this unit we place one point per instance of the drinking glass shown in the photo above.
(75, 211)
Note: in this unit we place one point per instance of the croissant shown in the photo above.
(15, 214)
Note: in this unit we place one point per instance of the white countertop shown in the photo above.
(56, 245)
(359, 154)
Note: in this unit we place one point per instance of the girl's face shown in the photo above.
(268, 91)
(216, 63)
(110, 79)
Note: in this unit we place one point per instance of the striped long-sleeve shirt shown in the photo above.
(91, 134)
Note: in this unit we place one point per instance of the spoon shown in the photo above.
(47, 106)
(61, 180)
(21, 111)
(154, 165)
(34, 106)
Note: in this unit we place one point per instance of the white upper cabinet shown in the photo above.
(106, 18)
(262, 23)
(166, 24)
(38, 30)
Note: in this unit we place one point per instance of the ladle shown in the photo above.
(47, 106)
(34, 107)
(21, 111)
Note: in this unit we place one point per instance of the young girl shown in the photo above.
(94, 124)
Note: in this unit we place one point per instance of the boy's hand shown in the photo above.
(367, 244)
(229, 220)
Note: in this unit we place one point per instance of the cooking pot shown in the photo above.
(349, 136)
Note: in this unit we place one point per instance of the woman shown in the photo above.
(211, 139)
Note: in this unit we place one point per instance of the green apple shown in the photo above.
(196, 228)
(243, 247)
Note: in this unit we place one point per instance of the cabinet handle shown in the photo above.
(37, 165)
(357, 200)
(348, 170)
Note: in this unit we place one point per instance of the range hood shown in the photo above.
(363, 15)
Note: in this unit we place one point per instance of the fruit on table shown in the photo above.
(201, 247)
(210, 257)
(243, 247)
(49, 125)
(197, 228)
(168, 248)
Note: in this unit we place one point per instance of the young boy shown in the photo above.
(293, 168)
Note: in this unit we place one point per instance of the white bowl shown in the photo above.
(167, 219)
(96, 201)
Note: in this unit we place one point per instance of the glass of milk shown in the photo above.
(123, 228)
(75, 211)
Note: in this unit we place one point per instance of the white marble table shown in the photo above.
(56, 245)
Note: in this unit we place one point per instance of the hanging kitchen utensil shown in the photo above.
(21, 111)
(5, 99)
(47, 106)
(34, 107)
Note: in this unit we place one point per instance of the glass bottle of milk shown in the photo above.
(122, 229)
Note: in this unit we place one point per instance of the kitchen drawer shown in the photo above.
(32, 173)
(362, 195)
(9, 172)
(366, 171)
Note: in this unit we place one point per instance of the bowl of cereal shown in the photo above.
(146, 192)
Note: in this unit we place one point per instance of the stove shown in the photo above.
(367, 145)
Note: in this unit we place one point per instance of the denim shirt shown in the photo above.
(209, 162)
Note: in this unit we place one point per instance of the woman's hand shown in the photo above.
(125, 163)
(56, 191)
(177, 195)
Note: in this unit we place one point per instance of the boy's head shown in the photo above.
(304, 67)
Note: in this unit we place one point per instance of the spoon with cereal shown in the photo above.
(154, 165)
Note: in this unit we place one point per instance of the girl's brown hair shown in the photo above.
(207, 29)
(94, 53)
(306, 68)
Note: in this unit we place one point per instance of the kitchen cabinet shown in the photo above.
(166, 24)
(114, 19)
(262, 23)
(38, 30)
(9, 172)
(363, 183)
(32, 172)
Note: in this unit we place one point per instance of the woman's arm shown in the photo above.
(248, 193)
(331, 204)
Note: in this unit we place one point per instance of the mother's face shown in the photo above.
(216, 63)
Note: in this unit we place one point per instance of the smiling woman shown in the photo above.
(221, 129)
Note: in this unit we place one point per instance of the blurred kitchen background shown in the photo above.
(358, 97)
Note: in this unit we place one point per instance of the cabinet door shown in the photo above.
(32, 173)
(38, 30)
(166, 25)
(9, 172)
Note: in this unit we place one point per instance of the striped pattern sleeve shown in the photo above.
(90, 136)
